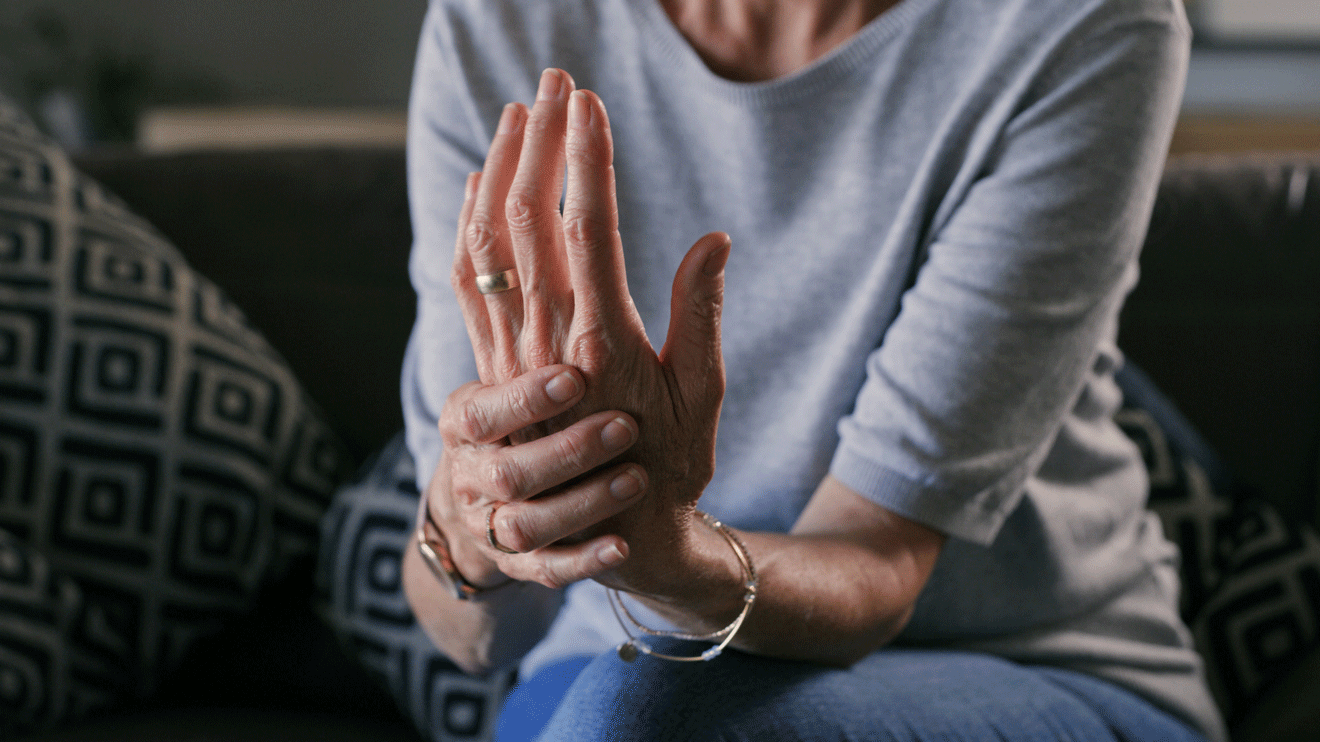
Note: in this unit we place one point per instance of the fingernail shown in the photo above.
(552, 85)
(562, 388)
(617, 434)
(609, 555)
(716, 261)
(471, 187)
(579, 110)
(626, 484)
(509, 120)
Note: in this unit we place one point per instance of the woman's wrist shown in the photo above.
(703, 588)
(637, 642)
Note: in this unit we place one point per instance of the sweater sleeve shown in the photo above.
(445, 143)
(1022, 281)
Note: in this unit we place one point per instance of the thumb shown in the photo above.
(692, 346)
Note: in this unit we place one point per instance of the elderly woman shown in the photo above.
(923, 522)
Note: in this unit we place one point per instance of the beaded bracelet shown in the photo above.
(629, 650)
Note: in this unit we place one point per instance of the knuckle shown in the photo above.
(450, 423)
(462, 490)
(481, 236)
(539, 349)
(586, 230)
(705, 309)
(572, 447)
(541, 126)
(521, 405)
(501, 481)
(551, 578)
(460, 278)
(523, 210)
(580, 148)
(448, 426)
(473, 421)
(513, 533)
(586, 509)
(592, 349)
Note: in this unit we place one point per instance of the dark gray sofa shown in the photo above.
(313, 246)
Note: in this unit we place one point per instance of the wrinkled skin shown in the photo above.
(544, 464)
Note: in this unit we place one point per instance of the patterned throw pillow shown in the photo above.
(1251, 581)
(360, 580)
(158, 460)
(1264, 618)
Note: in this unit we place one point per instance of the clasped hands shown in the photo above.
(581, 448)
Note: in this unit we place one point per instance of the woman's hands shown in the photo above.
(586, 450)
(519, 446)
(480, 471)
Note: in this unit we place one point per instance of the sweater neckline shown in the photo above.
(839, 62)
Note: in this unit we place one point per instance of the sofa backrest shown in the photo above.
(1226, 318)
(311, 244)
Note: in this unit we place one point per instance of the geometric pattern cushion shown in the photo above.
(359, 579)
(1250, 580)
(1264, 617)
(158, 460)
(1191, 508)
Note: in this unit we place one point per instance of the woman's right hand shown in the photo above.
(547, 489)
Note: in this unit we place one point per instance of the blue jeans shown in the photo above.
(894, 694)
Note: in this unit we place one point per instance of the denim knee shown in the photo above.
(900, 695)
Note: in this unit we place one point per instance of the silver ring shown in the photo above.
(494, 283)
(490, 532)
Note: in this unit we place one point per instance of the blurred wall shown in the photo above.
(295, 52)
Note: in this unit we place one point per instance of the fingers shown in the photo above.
(591, 217)
(561, 565)
(479, 414)
(692, 346)
(530, 525)
(463, 280)
(486, 237)
(512, 473)
(532, 213)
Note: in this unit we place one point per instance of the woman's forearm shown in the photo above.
(839, 587)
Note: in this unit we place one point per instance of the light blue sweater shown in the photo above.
(934, 228)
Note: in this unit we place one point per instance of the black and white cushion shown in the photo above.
(359, 578)
(1264, 617)
(158, 460)
(1251, 580)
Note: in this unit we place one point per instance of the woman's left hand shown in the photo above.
(573, 307)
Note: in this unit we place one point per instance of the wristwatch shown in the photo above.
(434, 548)
(435, 552)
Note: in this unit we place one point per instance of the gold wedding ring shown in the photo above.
(490, 532)
(494, 283)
